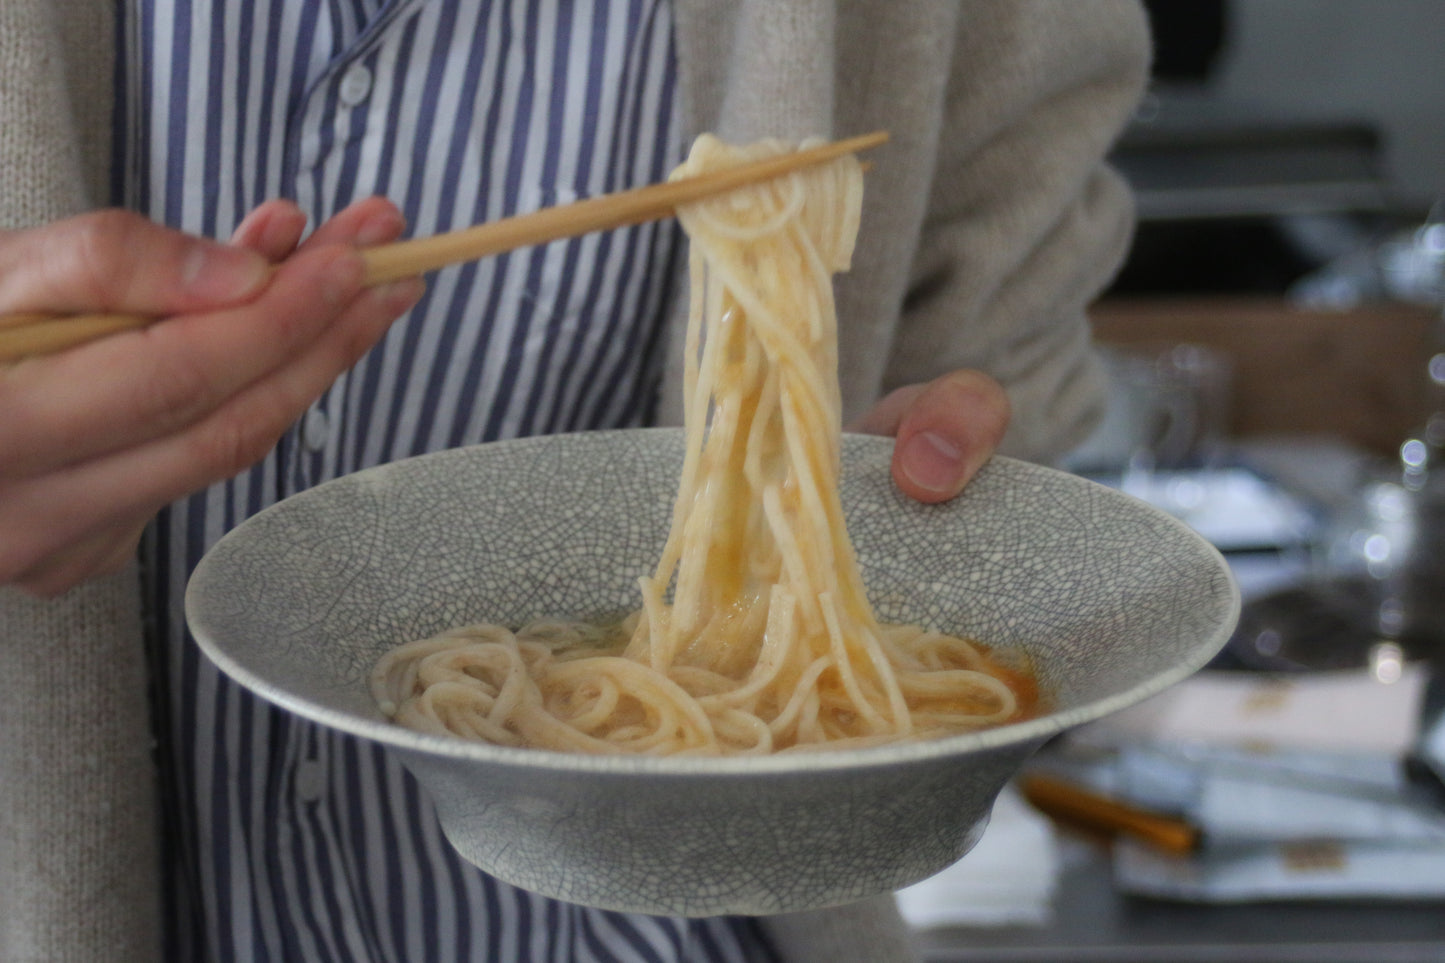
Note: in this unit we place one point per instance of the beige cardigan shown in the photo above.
(989, 223)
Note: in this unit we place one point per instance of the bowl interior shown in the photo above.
(1110, 599)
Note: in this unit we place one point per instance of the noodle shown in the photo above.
(766, 641)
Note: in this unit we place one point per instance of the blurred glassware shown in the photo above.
(1376, 596)
(1168, 411)
(1406, 266)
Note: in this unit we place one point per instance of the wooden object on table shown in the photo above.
(1076, 806)
(1358, 374)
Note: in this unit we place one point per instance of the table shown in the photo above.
(1093, 922)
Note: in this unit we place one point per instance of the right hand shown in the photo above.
(96, 439)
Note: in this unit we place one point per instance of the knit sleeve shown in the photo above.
(78, 859)
(1026, 223)
(54, 108)
(78, 862)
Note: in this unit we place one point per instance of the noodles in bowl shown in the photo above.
(768, 642)
(1110, 599)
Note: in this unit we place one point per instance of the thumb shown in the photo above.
(117, 261)
(947, 432)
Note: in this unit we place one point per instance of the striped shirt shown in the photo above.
(289, 841)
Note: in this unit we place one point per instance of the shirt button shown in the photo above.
(315, 429)
(309, 780)
(355, 85)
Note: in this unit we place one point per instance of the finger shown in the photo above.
(102, 554)
(71, 505)
(272, 230)
(369, 221)
(946, 433)
(117, 261)
(885, 416)
(133, 387)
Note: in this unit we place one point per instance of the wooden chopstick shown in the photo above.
(37, 334)
(32, 335)
(1077, 806)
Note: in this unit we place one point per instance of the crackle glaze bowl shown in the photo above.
(1111, 600)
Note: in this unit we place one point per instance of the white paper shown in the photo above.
(1235, 795)
(1297, 871)
(1009, 877)
(1344, 711)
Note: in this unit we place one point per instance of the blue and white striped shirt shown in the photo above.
(289, 841)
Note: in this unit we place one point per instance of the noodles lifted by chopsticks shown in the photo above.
(767, 641)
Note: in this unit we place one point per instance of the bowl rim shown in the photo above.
(899, 753)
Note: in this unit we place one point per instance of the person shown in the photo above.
(303, 131)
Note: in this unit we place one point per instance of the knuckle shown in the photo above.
(51, 581)
(178, 392)
(230, 444)
(113, 564)
(975, 394)
(17, 551)
(358, 336)
(98, 259)
(12, 567)
(16, 564)
(296, 326)
(41, 587)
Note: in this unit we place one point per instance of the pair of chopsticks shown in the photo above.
(29, 335)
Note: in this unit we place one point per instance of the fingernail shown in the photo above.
(932, 462)
(399, 296)
(283, 227)
(219, 272)
(380, 227)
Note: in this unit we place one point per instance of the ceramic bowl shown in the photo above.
(1111, 599)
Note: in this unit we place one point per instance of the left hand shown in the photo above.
(944, 431)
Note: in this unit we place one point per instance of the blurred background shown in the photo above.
(1288, 164)
(1281, 134)
(1277, 361)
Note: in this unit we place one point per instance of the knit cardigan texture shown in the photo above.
(990, 221)
(79, 877)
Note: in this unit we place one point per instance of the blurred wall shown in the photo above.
(1382, 60)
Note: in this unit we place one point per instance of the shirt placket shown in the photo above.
(318, 137)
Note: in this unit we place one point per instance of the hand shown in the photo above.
(945, 430)
(93, 441)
